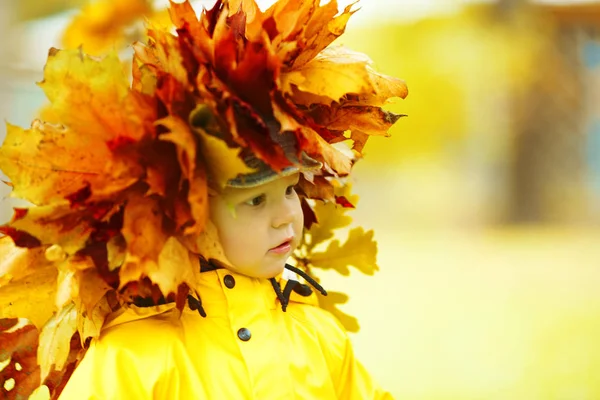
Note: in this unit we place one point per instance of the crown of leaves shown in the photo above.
(119, 186)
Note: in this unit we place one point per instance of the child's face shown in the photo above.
(259, 227)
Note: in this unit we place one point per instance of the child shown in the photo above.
(182, 287)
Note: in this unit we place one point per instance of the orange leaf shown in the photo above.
(321, 30)
(369, 120)
(107, 110)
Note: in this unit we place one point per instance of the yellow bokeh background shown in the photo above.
(485, 200)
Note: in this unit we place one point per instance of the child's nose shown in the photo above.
(284, 214)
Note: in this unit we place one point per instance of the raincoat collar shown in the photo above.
(219, 300)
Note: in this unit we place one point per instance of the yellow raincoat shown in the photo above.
(246, 348)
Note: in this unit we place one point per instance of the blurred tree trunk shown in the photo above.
(546, 173)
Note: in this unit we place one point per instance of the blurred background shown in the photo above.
(485, 200)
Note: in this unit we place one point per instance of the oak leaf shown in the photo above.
(329, 218)
(331, 302)
(359, 250)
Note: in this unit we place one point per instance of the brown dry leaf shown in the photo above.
(331, 303)
(181, 136)
(18, 344)
(55, 340)
(359, 140)
(192, 170)
(359, 250)
(313, 144)
(102, 24)
(369, 120)
(319, 189)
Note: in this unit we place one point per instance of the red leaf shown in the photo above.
(341, 200)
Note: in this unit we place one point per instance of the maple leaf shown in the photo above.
(107, 110)
(207, 244)
(18, 344)
(331, 302)
(332, 74)
(55, 340)
(359, 250)
(365, 119)
(175, 265)
(27, 280)
(320, 188)
(223, 162)
(49, 162)
(102, 24)
(143, 233)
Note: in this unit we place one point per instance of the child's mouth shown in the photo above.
(282, 248)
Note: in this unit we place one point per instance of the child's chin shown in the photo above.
(270, 271)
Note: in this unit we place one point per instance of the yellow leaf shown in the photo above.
(222, 161)
(102, 24)
(329, 218)
(321, 30)
(56, 224)
(206, 244)
(98, 89)
(175, 266)
(55, 340)
(333, 73)
(331, 302)
(28, 297)
(48, 162)
(89, 323)
(18, 262)
(359, 251)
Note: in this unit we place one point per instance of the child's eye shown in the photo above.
(290, 190)
(256, 201)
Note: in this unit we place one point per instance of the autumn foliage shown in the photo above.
(119, 186)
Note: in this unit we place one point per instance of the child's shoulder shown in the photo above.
(151, 328)
(307, 310)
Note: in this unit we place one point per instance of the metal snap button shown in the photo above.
(244, 334)
(229, 281)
